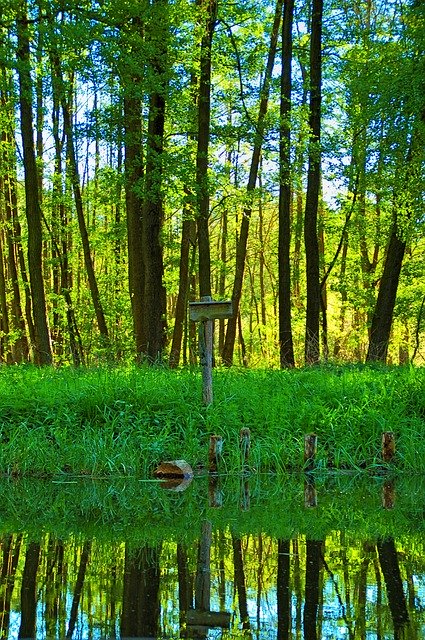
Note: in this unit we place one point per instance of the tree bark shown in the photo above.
(287, 358)
(204, 115)
(153, 215)
(42, 347)
(312, 345)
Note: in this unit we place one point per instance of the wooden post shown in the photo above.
(245, 444)
(214, 453)
(205, 312)
(388, 446)
(206, 356)
(310, 450)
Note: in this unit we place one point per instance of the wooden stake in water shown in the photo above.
(310, 450)
(388, 446)
(214, 453)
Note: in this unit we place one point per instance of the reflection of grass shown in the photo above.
(136, 511)
(105, 422)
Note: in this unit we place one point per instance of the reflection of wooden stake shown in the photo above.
(388, 446)
(245, 442)
(388, 494)
(245, 496)
(310, 449)
(214, 453)
(310, 493)
(215, 495)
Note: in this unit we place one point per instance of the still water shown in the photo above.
(247, 559)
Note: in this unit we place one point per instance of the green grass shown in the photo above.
(113, 421)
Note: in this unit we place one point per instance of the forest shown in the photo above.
(157, 152)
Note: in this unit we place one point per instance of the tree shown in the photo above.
(312, 346)
(285, 326)
(42, 347)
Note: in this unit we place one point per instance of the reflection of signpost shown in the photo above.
(201, 618)
(205, 312)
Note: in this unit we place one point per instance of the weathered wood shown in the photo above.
(210, 310)
(310, 450)
(206, 355)
(174, 469)
(214, 453)
(388, 446)
(208, 618)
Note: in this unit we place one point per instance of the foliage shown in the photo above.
(107, 422)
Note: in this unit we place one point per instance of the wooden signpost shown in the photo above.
(205, 312)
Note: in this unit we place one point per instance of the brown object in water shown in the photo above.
(173, 469)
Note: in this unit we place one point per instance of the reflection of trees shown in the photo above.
(11, 548)
(391, 571)
(140, 604)
(240, 581)
(283, 590)
(84, 558)
(28, 591)
(314, 554)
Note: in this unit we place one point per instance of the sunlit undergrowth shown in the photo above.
(103, 422)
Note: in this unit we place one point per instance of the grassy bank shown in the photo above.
(103, 422)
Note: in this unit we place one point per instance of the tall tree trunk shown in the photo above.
(42, 347)
(204, 113)
(154, 295)
(286, 346)
(133, 163)
(241, 247)
(312, 346)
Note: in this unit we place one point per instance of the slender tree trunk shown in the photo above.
(312, 346)
(204, 114)
(287, 358)
(188, 233)
(153, 215)
(42, 347)
(241, 247)
(75, 180)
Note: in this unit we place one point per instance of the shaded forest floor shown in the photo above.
(123, 421)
